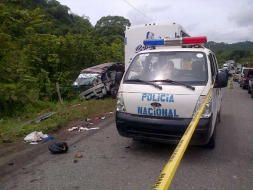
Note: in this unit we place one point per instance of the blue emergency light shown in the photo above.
(153, 42)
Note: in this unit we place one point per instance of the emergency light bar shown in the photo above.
(176, 41)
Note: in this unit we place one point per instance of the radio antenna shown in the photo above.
(139, 11)
(212, 37)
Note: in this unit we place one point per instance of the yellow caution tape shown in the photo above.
(169, 170)
(230, 83)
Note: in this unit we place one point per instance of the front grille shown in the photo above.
(161, 135)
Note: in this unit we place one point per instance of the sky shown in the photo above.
(227, 21)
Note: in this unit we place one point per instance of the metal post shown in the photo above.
(59, 94)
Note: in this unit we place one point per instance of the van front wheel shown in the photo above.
(114, 92)
(249, 91)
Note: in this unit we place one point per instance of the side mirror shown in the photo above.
(118, 77)
(221, 80)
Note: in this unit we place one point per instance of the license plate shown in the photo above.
(98, 90)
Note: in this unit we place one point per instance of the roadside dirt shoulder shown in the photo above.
(15, 157)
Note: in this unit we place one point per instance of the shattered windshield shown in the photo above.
(187, 67)
(85, 80)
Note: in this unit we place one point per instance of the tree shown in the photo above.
(236, 58)
(112, 25)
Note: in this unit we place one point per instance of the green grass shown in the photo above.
(10, 128)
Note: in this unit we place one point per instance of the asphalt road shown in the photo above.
(113, 162)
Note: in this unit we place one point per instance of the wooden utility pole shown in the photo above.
(59, 94)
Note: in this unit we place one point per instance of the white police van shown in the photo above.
(163, 88)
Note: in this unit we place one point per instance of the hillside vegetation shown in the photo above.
(42, 42)
(241, 52)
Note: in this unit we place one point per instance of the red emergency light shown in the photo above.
(195, 40)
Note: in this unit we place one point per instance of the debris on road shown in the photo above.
(83, 128)
(102, 117)
(78, 155)
(75, 161)
(96, 118)
(11, 164)
(127, 146)
(35, 136)
(7, 141)
(87, 119)
(48, 139)
(73, 128)
(111, 112)
(34, 143)
(71, 105)
(87, 129)
(57, 148)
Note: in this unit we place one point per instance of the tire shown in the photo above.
(212, 141)
(249, 91)
(219, 116)
(114, 92)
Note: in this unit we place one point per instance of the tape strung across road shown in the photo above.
(169, 170)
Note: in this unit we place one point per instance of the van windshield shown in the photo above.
(187, 67)
(85, 79)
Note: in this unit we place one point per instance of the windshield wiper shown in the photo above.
(175, 82)
(147, 82)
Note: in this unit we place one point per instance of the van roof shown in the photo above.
(175, 48)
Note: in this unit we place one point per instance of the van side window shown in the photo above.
(215, 64)
(213, 70)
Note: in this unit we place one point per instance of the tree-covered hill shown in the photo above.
(241, 52)
(247, 45)
(42, 42)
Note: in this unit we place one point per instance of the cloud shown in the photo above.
(233, 18)
(137, 18)
(231, 36)
(146, 13)
(243, 16)
(159, 9)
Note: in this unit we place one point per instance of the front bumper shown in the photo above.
(161, 129)
(94, 92)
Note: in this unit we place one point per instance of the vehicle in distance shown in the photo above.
(250, 88)
(236, 76)
(244, 82)
(242, 72)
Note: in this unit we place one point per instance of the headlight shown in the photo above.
(208, 108)
(120, 105)
(75, 84)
